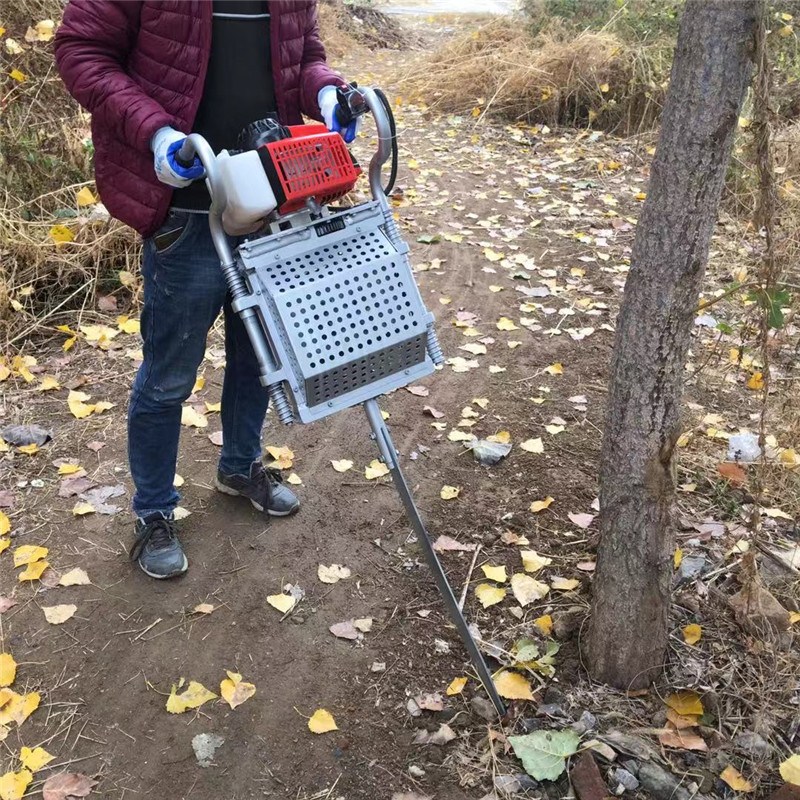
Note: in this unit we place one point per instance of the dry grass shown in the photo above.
(501, 69)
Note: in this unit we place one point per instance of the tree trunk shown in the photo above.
(713, 58)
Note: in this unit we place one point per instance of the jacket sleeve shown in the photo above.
(315, 72)
(91, 49)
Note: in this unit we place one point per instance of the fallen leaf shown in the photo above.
(544, 624)
(582, 520)
(19, 707)
(756, 381)
(294, 479)
(513, 686)
(28, 554)
(69, 469)
(430, 702)
(735, 779)
(343, 465)
(6, 603)
(5, 524)
(215, 438)
(193, 696)
(56, 615)
(481, 402)
(332, 574)
(283, 602)
(444, 543)
(526, 589)
(8, 669)
(505, 324)
(555, 369)
(322, 721)
(732, 472)
(533, 446)
(489, 595)
(376, 469)
(456, 686)
(419, 391)
(192, 418)
(533, 562)
(82, 508)
(441, 737)
(544, 753)
(679, 721)
(564, 584)
(345, 630)
(682, 740)
(67, 785)
(33, 571)
(460, 436)
(4, 544)
(48, 384)
(283, 457)
(13, 785)
(449, 492)
(234, 690)
(364, 624)
(686, 703)
(213, 408)
(692, 633)
(34, 759)
(790, 770)
(204, 608)
(495, 573)
(541, 505)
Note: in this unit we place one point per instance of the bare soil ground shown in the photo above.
(507, 211)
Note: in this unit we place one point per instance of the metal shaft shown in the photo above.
(389, 455)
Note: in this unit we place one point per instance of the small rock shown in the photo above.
(661, 784)
(630, 765)
(550, 710)
(441, 647)
(378, 666)
(691, 567)
(204, 746)
(586, 779)
(626, 779)
(483, 708)
(416, 772)
(298, 619)
(660, 718)
(587, 722)
(752, 744)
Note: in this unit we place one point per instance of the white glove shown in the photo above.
(165, 144)
(327, 105)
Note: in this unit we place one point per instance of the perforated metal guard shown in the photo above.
(342, 309)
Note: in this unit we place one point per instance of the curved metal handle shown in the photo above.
(385, 139)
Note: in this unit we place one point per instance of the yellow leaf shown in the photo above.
(527, 590)
(692, 634)
(213, 408)
(489, 595)
(677, 557)
(460, 436)
(513, 686)
(785, 30)
(786, 17)
(376, 469)
(13, 785)
(20, 366)
(294, 480)
(33, 571)
(99, 333)
(481, 402)
(604, 87)
(505, 324)
(19, 707)
(794, 617)
(28, 553)
(492, 255)
(127, 325)
(192, 418)
(69, 469)
(283, 602)
(76, 401)
(193, 696)
(735, 779)
(502, 437)
(456, 686)
(56, 615)
(495, 573)
(283, 457)
(564, 584)
(687, 704)
(29, 449)
(103, 405)
(756, 381)
(8, 669)
(82, 508)
(5, 524)
(541, 505)
(69, 343)
(234, 690)
(48, 384)
(554, 369)
(4, 544)
(322, 721)
(44, 30)
(533, 445)
(204, 608)
(790, 770)
(449, 492)
(61, 234)
(533, 562)
(342, 465)
(34, 759)
(5, 372)
(85, 197)
(544, 624)
(333, 574)
(199, 384)
(75, 577)
(18, 76)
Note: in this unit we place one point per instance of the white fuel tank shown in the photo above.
(248, 192)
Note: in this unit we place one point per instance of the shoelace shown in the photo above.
(268, 477)
(161, 533)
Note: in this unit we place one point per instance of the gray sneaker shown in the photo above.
(263, 487)
(157, 549)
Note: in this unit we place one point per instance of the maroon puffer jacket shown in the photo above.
(138, 65)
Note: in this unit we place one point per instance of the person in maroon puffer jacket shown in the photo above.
(150, 72)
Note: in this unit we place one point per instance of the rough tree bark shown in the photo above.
(628, 632)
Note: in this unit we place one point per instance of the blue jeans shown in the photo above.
(184, 290)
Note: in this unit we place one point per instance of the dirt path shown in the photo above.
(510, 210)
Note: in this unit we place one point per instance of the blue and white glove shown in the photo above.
(327, 105)
(165, 145)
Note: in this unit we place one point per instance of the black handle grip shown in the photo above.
(185, 156)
